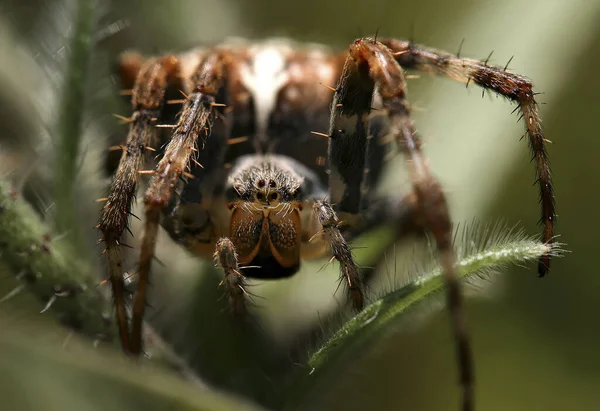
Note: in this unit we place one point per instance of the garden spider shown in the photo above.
(232, 183)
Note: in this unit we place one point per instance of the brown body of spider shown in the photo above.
(242, 157)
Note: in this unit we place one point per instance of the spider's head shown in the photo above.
(265, 199)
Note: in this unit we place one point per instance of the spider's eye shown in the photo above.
(261, 183)
(272, 184)
(259, 196)
(273, 196)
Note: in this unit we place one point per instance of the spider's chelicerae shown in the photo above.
(273, 157)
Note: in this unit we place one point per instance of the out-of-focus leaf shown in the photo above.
(35, 376)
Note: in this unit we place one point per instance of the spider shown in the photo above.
(233, 182)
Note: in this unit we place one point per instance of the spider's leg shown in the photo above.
(371, 64)
(349, 139)
(341, 251)
(151, 81)
(195, 121)
(512, 86)
(233, 280)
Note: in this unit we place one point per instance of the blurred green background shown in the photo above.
(536, 340)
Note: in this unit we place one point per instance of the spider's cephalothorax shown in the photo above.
(272, 142)
(265, 210)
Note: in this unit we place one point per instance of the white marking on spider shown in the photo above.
(264, 78)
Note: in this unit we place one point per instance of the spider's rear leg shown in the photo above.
(195, 121)
(151, 81)
(512, 86)
(371, 65)
(233, 280)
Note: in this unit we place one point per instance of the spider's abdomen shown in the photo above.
(279, 94)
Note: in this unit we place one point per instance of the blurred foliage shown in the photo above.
(535, 343)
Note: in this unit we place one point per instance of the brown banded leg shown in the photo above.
(233, 280)
(512, 86)
(370, 64)
(341, 251)
(151, 81)
(194, 122)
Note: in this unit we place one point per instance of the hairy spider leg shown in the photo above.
(152, 78)
(370, 64)
(512, 86)
(194, 122)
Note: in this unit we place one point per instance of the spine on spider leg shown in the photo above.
(341, 252)
(147, 99)
(194, 121)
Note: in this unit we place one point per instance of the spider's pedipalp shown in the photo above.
(341, 252)
(194, 122)
(512, 86)
(369, 66)
(151, 81)
(233, 280)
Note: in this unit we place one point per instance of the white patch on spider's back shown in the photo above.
(188, 63)
(264, 75)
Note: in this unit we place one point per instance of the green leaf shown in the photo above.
(480, 252)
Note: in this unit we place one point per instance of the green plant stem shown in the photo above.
(65, 284)
(51, 270)
(70, 117)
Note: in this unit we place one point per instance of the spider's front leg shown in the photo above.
(371, 66)
(194, 121)
(150, 80)
(512, 86)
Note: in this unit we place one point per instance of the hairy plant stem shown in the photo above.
(381, 315)
(51, 270)
(67, 286)
(70, 118)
